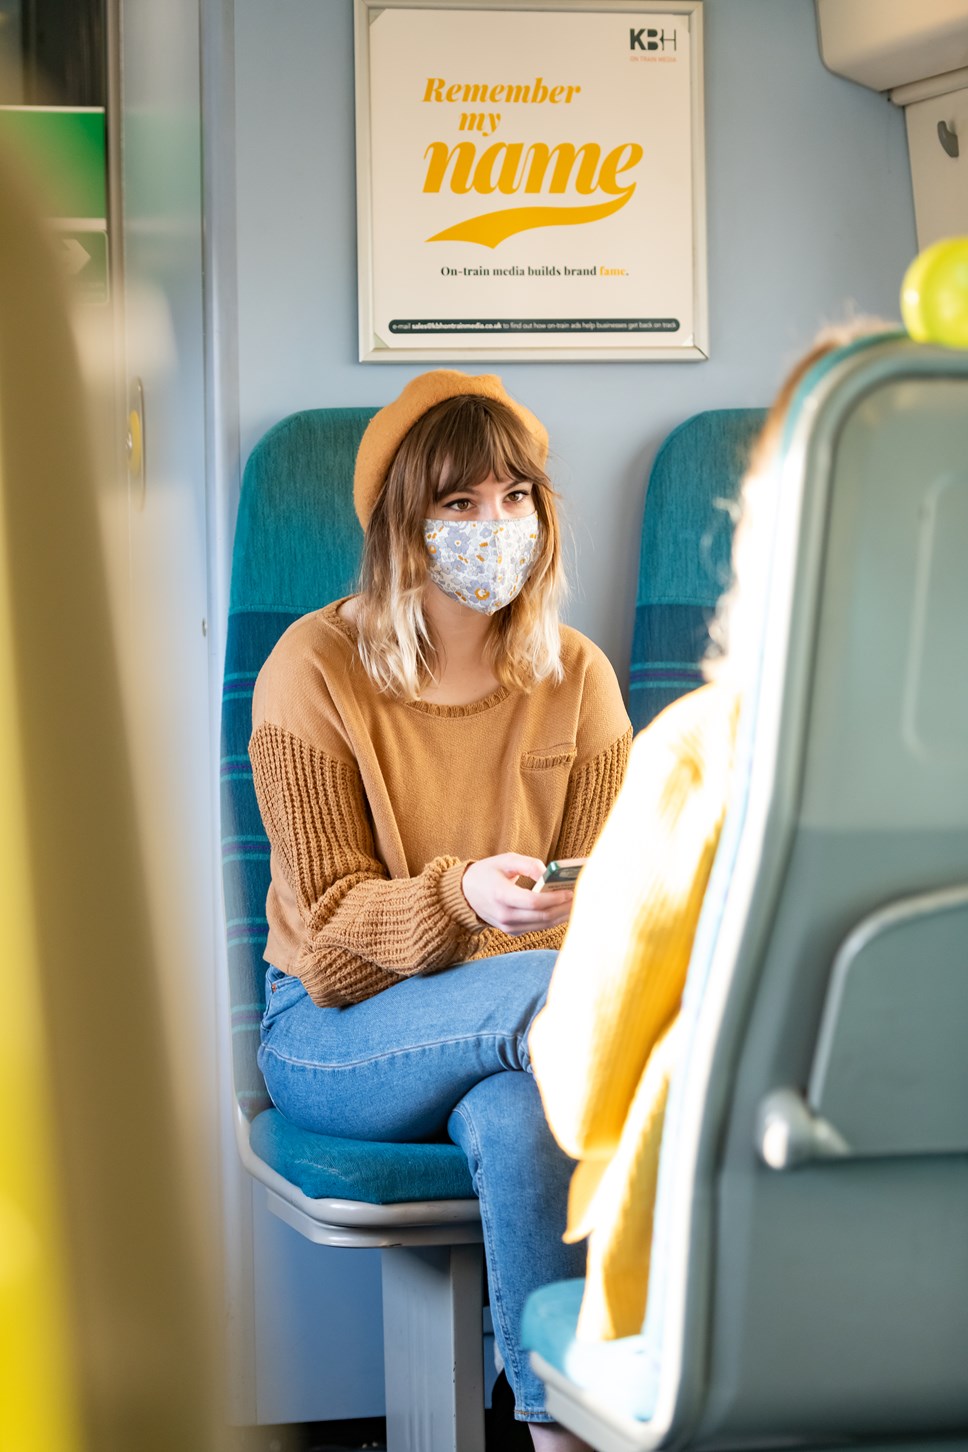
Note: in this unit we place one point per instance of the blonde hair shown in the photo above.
(736, 625)
(453, 446)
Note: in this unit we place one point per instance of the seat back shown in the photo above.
(684, 564)
(813, 1190)
(297, 546)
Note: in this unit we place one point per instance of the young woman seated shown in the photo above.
(421, 750)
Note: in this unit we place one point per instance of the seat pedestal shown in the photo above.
(432, 1309)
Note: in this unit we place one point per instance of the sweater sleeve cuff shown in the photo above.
(454, 902)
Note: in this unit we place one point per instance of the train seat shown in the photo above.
(684, 561)
(810, 1263)
(297, 546)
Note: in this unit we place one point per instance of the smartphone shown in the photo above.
(560, 874)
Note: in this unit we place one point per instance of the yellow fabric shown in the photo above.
(604, 1047)
(374, 807)
(39, 1403)
(387, 429)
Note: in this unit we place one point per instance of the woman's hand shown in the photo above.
(491, 888)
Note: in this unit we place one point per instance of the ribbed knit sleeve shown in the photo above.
(363, 931)
(591, 792)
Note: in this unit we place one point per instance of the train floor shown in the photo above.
(502, 1432)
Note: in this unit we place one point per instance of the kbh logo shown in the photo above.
(652, 40)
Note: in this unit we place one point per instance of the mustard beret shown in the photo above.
(387, 429)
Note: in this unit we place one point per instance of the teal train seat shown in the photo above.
(297, 547)
(687, 534)
(810, 1245)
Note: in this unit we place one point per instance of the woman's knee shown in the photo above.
(501, 1123)
(500, 1101)
(513, 1157)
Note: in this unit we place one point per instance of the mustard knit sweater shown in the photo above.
(605, 1045)
(375, 807)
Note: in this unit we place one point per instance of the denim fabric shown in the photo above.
(444, 1054)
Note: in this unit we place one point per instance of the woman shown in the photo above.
(418, 748)
(606, 1044)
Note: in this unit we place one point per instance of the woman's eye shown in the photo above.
(518, 496)
(460, 505)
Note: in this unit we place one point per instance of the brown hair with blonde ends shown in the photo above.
(453, 446)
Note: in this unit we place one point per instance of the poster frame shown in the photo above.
(371, 350)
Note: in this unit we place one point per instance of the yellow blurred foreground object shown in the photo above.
(106, 1322)
(37, 1396)
(934, 294)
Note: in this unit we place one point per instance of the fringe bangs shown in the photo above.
(468, 438)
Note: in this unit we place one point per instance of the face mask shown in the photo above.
(482, 563)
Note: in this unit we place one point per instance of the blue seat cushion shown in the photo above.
(623, 1373)
(323, 1166)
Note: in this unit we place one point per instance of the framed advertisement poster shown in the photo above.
(530, 180)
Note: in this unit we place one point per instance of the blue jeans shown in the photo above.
(449, 1053)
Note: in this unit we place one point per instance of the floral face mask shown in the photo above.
(482, 563)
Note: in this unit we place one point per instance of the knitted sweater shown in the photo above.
(605, 1045)
(374, 807)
